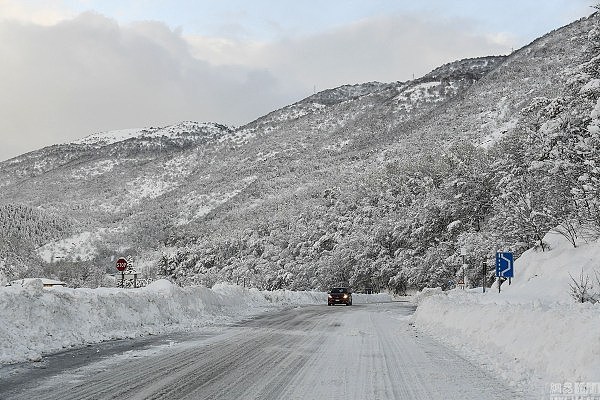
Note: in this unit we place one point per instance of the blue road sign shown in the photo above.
(504, 265)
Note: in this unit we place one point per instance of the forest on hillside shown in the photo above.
(22, 230)
(373, 186)
(402, 224)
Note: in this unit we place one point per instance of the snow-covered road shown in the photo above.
(366, 351)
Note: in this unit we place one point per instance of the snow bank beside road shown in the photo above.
(527, 344)
(359, 298)
(34, 320)
(533, 333)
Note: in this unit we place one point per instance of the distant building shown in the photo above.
(47, 283)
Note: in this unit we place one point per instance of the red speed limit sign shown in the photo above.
(121, 264)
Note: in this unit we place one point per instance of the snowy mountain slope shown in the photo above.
(322, 197)
(336, 107)
(94, 163)
(109, 146)
(492, 107)
(193, 168)
(102, 179)
(306, 147)
(184, 132)
(204, 184)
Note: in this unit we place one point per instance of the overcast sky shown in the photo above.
(70, 68)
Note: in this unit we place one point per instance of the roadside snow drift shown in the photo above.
(533, 333)
(36, 321)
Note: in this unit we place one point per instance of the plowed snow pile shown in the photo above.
(35, 321)
(532, 333)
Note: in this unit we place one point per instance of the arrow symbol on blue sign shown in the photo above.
(508, 264)
(504, 265)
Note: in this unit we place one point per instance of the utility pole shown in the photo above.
(484, 273)
(463, 253)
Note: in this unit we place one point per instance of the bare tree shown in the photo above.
(581, 289)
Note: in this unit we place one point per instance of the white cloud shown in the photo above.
(384, 49)
(87, 74)
(48, 13)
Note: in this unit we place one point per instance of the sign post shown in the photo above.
(463, 254)
(483, 273)
(504, 267)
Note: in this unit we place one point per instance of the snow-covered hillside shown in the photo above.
(136, 189)
(181, 130)
(533, 333)
(375, 184)
(110, 137)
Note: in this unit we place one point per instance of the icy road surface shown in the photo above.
(361, 352)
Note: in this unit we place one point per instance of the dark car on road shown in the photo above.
(339, 295)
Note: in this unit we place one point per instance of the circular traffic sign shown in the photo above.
(121, 264)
